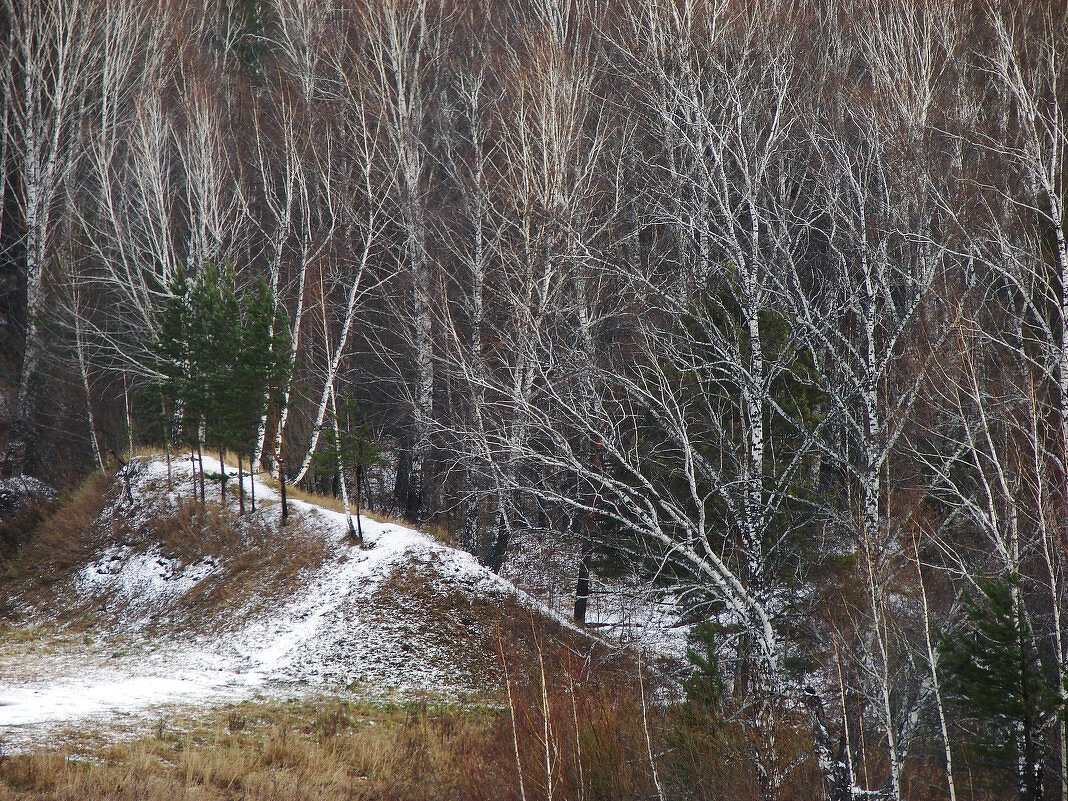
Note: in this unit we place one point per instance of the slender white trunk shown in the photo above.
(5, 118)
(879, 622)
(1054, 570)
(79, 345)
(334, 364)
(932, 661)
(511, 710)
(423, 411)
(340, 464)
(294, 351)
(1057, 220)
(282, 211)
(645, 728)
(871, 491)
(21, 443)
(752, 394)
(129, 416)
(847, 751)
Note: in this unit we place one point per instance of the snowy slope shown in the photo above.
(405, 614)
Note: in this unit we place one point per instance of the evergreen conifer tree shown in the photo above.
(348, 446)
(221, 359)
(994, 675)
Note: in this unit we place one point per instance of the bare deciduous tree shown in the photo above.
(54, 53)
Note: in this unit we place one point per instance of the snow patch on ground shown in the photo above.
(140, 581)
(622, 609)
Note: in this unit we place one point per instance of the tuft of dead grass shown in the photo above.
(147, 451)
(257, 561)
(441, 532)
(296, 493)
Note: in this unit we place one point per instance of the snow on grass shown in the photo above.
(623, 609)
(341, 628)
(139, 581)
(33, 707)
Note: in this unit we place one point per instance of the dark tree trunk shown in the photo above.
(282, 489)
(200, 459)
(240, 487)
(498, 543)
(832, 752)
(359, 488)
(582, 587)
(406, 490)
(16, 353)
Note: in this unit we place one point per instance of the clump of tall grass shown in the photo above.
(64, 539)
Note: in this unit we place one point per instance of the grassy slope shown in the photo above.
(327, 747)
(559, 716)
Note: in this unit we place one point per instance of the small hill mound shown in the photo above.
(134, 595)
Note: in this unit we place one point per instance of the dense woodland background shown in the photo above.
(765, 300)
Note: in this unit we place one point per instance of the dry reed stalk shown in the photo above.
(546, 724)
(511, 711)
(645, 727)
(578, 741)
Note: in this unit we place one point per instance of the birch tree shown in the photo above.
(549, 284)
(129, 228)
(295, 153)
(399, 43)
(1016, 458)
(732, 195)
(360, 199)
(470, 152)
(54, 51)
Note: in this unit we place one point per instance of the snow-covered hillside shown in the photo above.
(404, 614)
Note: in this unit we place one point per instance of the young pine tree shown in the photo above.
(170, 352)
(221, 360)
(260, 372)
(994, 675)
(347, 447)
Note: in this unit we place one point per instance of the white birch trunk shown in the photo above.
(932, 661)
(83, 371)
(340, 465)
(333, 365)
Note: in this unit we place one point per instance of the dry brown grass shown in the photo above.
(296, 493)
(64, 540)
(442, 533)
(332, 749)
(329, 502)
(439, 531)
(260, 562)
(324, 749)
(148, 451)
